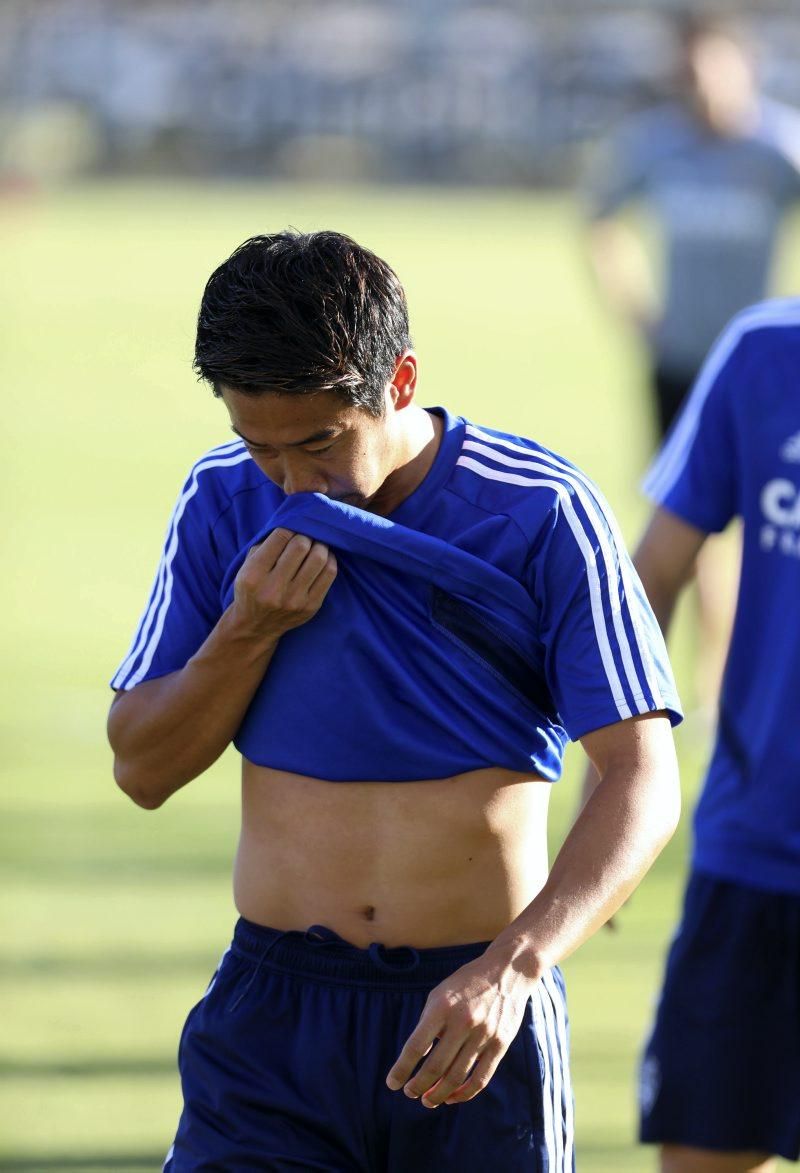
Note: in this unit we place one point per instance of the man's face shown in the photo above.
(316, 443)
(722, 86)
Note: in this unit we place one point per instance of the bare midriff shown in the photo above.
(440, 862)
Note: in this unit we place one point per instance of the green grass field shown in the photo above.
(112, 918)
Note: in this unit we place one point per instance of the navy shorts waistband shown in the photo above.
(320, 952)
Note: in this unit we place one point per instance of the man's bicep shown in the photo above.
(636, 782)
(604, 654)
(635, 741)
(129, 706)
(665, 560)
(146, 689)
(183, 605)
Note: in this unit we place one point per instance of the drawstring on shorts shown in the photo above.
(400, 959)
(254, 974)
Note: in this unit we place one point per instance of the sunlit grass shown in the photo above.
(112, 918)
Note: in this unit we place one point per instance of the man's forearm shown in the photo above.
(620, 264)
(662, 591)
(612, 844)
(166, 732)
(476, 1012)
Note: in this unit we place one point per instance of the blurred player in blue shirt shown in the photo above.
(716, 171)
(720, 1080)
(399, 618)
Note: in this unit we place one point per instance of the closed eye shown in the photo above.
(270, 453)
(303, 446)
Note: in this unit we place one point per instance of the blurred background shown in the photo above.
(139, 144)
(447, 91)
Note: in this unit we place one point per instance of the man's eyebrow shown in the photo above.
(323, 434)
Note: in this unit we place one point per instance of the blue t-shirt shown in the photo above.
(491, 617)
(735, 451)
(718, 202)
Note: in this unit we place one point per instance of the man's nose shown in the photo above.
(302, 479)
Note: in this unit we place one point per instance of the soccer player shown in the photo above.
(720, 1079)
(716, 170)
(399, 618)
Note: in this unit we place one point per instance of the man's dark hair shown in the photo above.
(295, 313)
(694, 24)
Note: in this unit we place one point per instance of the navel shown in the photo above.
(368, 912)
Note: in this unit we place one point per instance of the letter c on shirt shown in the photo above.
(780, 502)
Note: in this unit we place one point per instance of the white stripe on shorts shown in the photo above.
(549, 1019)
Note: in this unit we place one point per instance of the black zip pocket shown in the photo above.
(495, 650)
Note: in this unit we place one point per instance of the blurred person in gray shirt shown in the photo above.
(717, 169)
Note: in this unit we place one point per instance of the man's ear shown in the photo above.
(404, 380)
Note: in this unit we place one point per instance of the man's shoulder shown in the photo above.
(759, 348)
(761, 381)
(653, 131)
(217, 477)
(778, 128)
(767, 328)
(748, 377)
(501, 472)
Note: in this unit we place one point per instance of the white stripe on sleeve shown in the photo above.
(144, 644)
(671, 460)
(605, 517)
(595, 590)
(595, 508)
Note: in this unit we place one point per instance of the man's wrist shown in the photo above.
(238, 633)
(518, 952)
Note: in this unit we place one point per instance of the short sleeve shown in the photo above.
(780, 128)
(605, 658)
(694, 475)
(617, 174)
(184, 602)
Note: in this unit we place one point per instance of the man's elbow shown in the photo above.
(140, 789)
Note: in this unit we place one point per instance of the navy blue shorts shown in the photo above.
(283, 1065)
(722, 1067)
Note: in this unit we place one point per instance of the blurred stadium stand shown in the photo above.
(411, 90)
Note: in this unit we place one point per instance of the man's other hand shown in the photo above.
(472, 1018)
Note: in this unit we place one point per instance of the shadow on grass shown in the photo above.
(108, 966)
(87, 1068)
(144, 869)
(75, 1162)
(92, 842)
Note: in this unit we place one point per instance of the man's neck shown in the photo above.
(727, 120)
(418, 449)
